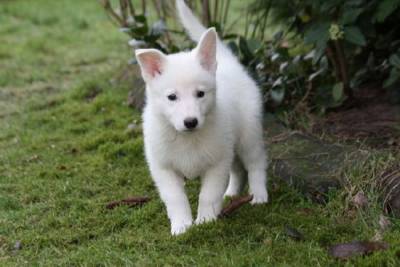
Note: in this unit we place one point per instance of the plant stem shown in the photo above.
(215, 15)
(143, 7)
(343, 69)
(131, 8)
(332, 58)
(110, 11)
(157, 8)
(225, 18)
(206, 12)
(124, 10)
(247, 23)
(264, 22)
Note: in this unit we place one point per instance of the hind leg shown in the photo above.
(236, 178)
(254, 157)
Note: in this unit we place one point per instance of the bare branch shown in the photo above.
(131, 8)
(110, 11)
(206, 12)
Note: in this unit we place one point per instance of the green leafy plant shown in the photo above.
(359, 39)
(135, 22)
(155, 31)
(322, 53)
(150, 24)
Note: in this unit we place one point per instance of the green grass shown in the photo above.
(65, 154)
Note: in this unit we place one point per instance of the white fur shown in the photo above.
(228, 139)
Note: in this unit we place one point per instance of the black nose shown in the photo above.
(190, 123)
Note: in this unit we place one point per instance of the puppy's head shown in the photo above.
(182, 87)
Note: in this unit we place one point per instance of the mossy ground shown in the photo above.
(65, 153)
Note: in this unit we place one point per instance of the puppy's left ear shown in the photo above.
(152, 63)
(207, 50)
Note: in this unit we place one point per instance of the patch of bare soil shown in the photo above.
(372, 119)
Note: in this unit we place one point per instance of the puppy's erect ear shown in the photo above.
(207, 50)
(151, 61)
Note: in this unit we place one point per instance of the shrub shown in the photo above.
(329, 48)
(323, 51)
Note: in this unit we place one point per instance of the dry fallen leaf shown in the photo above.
(356, 248)
(132, 201)
(234, 204)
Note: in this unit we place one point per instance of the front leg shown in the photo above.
(213, 187)
(172, 192)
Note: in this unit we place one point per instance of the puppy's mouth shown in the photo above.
(189, 130)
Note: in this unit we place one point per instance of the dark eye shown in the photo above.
(200, 94)
(172, 97)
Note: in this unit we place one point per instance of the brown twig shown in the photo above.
(311, 156)
(131, 8)
(132, 201)
(234, 204)
(124, 10)
(161, 9)
(282, 136)
(110, 11)
(157, 8)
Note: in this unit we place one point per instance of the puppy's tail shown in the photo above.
(192, 25)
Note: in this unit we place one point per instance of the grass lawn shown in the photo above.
(65, 153)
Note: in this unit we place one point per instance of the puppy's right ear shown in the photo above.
(151, 61)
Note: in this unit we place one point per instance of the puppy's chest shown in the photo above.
(191, 158)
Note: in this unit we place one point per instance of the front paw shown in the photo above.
(259, 198)
(180, 228)
(206, 215)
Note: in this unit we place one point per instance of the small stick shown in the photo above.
(110, 11)
(206, 12)
(234, 204)
(143, 7)
(132, 201)
(131, 8)
(123, 5)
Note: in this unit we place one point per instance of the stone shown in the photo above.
(304, 161)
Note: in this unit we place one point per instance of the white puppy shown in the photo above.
(202, 119)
